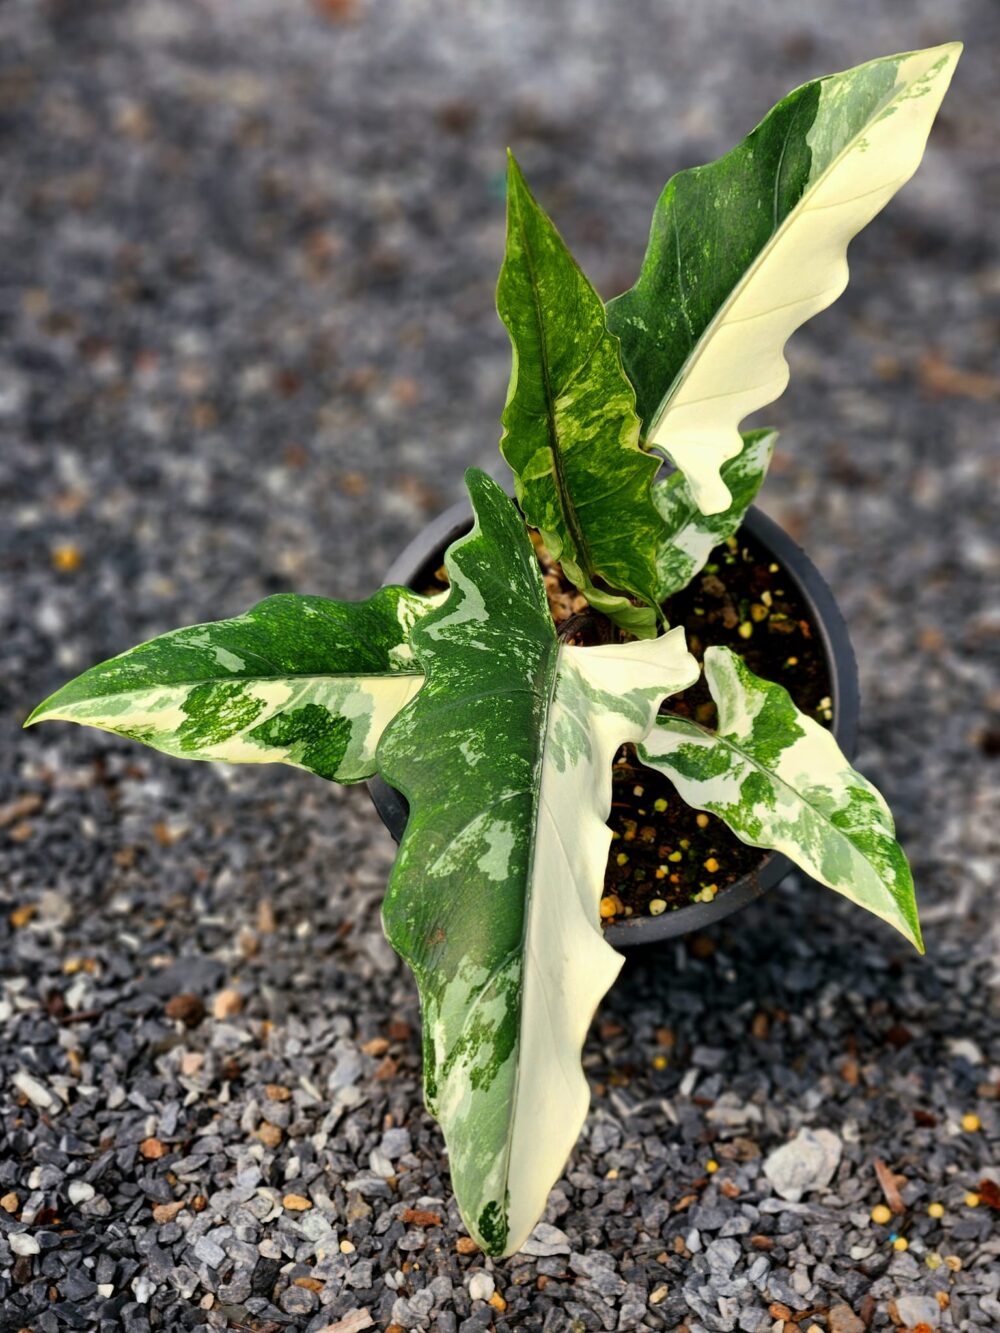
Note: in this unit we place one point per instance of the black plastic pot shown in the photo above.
(415, 568)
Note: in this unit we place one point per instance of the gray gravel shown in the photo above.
(248, 256)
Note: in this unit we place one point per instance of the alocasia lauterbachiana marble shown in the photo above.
(502, 736)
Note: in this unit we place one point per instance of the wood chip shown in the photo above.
(227, 1004)
(890, 1188)
(166, 1212)
(277, 1092)
(15, 811)
(152, 1149)
(355, 1322)
(377, 1046)
(466, 1245)
(420, 1217)
(186, 1008)
(296, 1203)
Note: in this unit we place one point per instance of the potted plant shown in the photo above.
(495, 696)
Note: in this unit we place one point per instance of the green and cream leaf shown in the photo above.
(780, 781)
(690, 534)
(746, 249)
(505, 757)
(305, 681)
(571, 434)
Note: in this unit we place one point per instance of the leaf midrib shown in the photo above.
(566, 507)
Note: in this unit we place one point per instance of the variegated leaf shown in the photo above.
(746, 249)
(779, 780)
(571, 434)
(296, 680)
(691, 535)
(505, 758)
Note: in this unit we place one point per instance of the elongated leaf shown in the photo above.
(779, 780)
(690, 534)
(505, 757)
(296, 680)
(570, 429)
(746, 249)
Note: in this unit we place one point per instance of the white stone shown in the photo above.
(805, 1164)
(915, 1310)
(964, 1048)
(142, 1288)
(545, 1241)
(79, 1191)
(36, 1093)
(105, 1289)
(380, 1164)
(23, 1244)
(481, 1286)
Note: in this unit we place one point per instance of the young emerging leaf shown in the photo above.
(692, 535)
(570, 429)
(779, 780)
(505, 758)
(746, 249)
(296, 680)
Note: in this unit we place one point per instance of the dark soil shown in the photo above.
(663, 852)
(741, 592)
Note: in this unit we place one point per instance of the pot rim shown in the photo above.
(417, 563)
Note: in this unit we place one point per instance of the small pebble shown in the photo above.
(657, 907)
(481, 1285)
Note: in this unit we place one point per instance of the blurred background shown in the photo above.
(247, 344)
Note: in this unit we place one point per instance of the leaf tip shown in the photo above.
(39, 714)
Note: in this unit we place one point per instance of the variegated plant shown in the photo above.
(499, 733)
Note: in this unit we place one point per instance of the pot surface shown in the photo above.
(416, 566)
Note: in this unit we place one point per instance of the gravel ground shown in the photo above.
(247, 346)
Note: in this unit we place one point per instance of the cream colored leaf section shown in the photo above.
(738, 364)
(603, 698)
